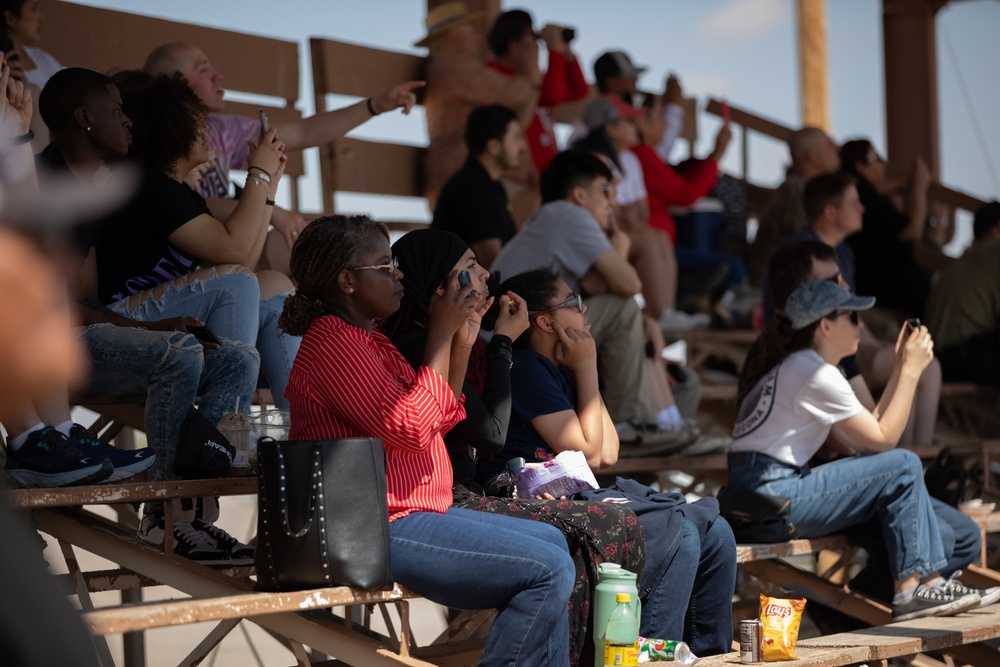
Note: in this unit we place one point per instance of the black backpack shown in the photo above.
(946, 479)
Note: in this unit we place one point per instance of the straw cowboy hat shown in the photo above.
(446, 16)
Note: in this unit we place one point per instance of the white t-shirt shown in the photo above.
(633, 185)
(562, 236)
(789, 412)
(45, 66)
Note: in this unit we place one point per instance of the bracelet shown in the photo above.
(23, 139)
(268, 202)
(264, 172)
(257, 180)
(371, 109)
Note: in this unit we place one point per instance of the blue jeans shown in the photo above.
(960, 538)
(169, 369)
(834, 496)
(474, 560)
(277, 349)
(703, 572)
(230, 304)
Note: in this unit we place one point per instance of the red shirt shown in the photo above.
(666, 187)
(563, 82)
(347, 382)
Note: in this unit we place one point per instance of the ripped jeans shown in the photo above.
(170, 369)
(229, 304)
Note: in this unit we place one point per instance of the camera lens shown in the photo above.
(568, 34)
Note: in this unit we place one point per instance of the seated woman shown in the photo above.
(894, 242)
(793, 396)
(687, 583)
(595, 532)
(166, 254)
(349, 381)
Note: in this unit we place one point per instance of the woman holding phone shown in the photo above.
(168, 252)
(793, 396)
(595, 532)
(350, 381)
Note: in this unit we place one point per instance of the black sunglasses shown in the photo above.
(853, 314)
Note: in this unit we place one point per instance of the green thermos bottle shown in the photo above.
(614, 580)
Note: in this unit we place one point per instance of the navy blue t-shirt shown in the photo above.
(538, 387)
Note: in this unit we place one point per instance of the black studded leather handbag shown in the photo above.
(323, 515)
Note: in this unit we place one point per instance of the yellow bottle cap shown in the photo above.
(624, 597)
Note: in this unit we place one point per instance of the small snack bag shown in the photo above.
(781, 619)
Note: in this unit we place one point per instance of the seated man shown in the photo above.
(567, 235)
(459, 81)
(963, 310)
(473, 203)
(813, 153)
(228, 134)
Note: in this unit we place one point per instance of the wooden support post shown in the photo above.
(812, 64)
(911, 101)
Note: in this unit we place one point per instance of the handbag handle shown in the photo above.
(317, 494)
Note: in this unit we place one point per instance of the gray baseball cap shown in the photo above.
(817, 299)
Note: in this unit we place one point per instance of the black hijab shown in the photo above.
(426, 257)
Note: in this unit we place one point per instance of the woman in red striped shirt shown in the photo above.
(349, 381)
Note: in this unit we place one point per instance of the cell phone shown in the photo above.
(204, 334)
(464, 278)
(725, 110)
(263, 122)
(913, 322)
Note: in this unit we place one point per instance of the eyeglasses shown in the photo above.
(855, 318)
(574, 301)
(871, 156)
(391, 267)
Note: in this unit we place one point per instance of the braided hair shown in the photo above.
(327, 246)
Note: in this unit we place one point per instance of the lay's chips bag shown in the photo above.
(781, 619)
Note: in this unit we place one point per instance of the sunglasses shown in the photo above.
(574, 301)
(391, 267)
(853, 314)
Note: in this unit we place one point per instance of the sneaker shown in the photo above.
(678, 320)
(49, 459)
(933, 601)
(188, 542)
(649, 440)
(126, 462)
(987, 596)
(240, 553)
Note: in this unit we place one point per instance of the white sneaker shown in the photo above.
(677, 320)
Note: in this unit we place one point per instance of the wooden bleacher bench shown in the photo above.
(956, 635)
(218, 594)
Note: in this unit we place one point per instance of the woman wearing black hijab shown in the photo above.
(595, 532)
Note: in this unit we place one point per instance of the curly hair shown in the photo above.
(167, 118)
(537, 287)
(327, 246)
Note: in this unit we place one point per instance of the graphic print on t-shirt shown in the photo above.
(757, 405)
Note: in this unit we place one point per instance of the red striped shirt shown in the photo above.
(347, 382)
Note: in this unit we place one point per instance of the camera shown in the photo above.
(568, 34)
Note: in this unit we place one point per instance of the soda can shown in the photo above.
(665, 650)
(751, 641)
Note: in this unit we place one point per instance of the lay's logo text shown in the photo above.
(778, 610)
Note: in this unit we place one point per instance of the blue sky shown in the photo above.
(744, 50)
